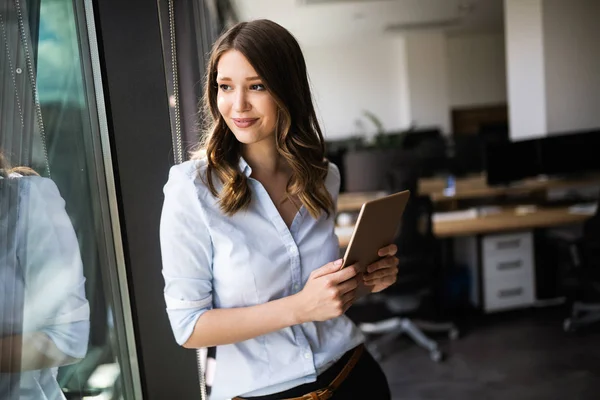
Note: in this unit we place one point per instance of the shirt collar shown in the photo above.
(244, 167)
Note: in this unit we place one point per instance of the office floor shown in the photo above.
(519, 355)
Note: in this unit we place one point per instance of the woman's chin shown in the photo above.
(245, 138)
(248, 137)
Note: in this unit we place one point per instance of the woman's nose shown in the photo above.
(241, 101)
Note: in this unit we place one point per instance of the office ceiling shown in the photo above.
(315, 22)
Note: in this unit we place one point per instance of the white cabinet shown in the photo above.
(508, 277)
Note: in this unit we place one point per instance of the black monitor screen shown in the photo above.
(512, 161)
(571, 153)
(494, 132)
(415, 138)
(468, 154)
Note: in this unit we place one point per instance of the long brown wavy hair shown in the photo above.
(6, 170)
(277, 58)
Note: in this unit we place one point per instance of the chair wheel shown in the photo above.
(568, 325)
(454, 334)
(436, 355)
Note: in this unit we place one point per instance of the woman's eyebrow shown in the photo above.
(225, 78)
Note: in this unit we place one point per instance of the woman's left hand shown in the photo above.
(382, 274)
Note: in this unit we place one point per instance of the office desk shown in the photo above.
(505, 221)
(350, 202)
(499, 252)
(474, 187)
(508, 220)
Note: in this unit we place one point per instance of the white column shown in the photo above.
(526, 81)
(572, 63)
(553, 64)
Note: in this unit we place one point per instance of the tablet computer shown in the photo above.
(377, 226)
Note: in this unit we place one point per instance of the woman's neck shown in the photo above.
(264, 159)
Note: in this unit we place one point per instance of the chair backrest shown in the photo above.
(415, 241)
(416, 231)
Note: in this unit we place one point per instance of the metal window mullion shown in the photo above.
(120, 294)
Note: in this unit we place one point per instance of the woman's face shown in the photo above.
(245, 104)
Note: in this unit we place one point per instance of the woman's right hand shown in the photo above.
(328, 293)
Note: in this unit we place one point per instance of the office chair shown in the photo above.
(418, 272)
(583, 284)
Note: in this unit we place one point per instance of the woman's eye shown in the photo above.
(224, 87)
(259, 87)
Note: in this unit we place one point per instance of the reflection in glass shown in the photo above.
(62, 327)
(44, 321)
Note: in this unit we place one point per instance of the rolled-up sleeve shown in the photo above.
(186, 254)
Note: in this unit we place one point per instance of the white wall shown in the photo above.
(427, 63)
(350, 78)
(525, 68)
(572, 62)
(476, 70)
(417, 78)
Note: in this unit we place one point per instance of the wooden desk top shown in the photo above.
(354, 201)
(476, 187)
(506, 220)
(469, 188)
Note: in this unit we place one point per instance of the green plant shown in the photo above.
(376, 121)
(382, 139)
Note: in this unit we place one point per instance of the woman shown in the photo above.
(44, 315)
(247, 234)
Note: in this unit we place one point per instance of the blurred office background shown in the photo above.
(487, 110)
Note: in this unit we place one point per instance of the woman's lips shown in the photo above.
(244, 122)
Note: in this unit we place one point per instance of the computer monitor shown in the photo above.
(590, 151)
(508, 162)
(494, 132)
(569, 154)
(417, 137)
(429, 146)
(468, 155)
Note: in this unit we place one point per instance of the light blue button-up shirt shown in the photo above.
(42, 294)
(214, 261)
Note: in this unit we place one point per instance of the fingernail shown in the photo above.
(337, 263)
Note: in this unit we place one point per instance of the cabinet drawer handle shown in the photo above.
(510, 292)
(503, 266)
(508, 244)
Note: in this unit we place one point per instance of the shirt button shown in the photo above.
(307, 355)
(296, 287)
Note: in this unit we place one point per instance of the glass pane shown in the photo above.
(63, 330)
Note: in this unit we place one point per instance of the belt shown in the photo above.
(327, 392)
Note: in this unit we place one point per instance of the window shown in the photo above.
(65, 330)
